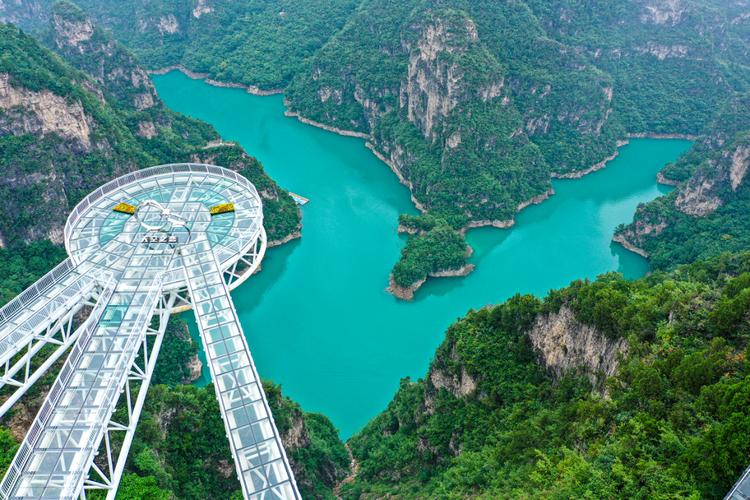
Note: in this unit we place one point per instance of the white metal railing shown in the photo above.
(34, 291)
(32, 436)
(737, 493)
(17, 336)
(131, 349)
(171, 168)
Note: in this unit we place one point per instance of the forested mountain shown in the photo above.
(604, 389)
(262, 43)
(473, 104)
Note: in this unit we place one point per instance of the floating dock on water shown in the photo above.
(300, 200)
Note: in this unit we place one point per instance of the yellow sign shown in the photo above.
(221, 209)
(124, 208)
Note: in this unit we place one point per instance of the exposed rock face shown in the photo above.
(147, 129)
(460, 384)
(664, 12)
(168, 24)
(202, 8)
(564, 344)
(71, 33)
(662, 52)
(433, 84)
(76, 38)
(41, 113)
(740, 163)
(709, 187)
(711, 183)
(195, 368)
(296, 435)
(698, 198)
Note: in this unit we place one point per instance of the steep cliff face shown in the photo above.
(434, 85)
(706, 213)
(488, 422)
(468, 100)
(565, 345)
(42, 113)
(87, 47)
(470, 104)
(56, 136)
(444, 375)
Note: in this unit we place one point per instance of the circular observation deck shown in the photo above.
(167, 205)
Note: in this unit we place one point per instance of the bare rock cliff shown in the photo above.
(104, 59)
(714, 181)
(433, 85)
(458, 382)
(41, 113)
(564, 344)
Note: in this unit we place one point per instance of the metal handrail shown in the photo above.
(105, 411)
(738, 485)
(19, 337)
(34, 291)
(54, 395)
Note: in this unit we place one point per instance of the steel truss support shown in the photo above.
(105, 474)
(247, 264)
(22, 372)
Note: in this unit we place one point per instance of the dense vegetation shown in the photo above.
(707, 213)
(672, 424)
(263, 43)
(434, 247)
(650, 47)
(22, 266)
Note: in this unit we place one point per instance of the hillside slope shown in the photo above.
(604, 389)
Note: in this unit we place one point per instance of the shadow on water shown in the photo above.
(318, 319)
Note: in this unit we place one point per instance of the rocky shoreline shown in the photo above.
(286, 239)
(667, 182)
(407, 293)
(339, 131)
(403, 180)
(600, 165)
(577, 174)
(504, 224)
(619, 238)
(649, 135)
(251, 89)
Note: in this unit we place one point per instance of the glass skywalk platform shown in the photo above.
(182, 235)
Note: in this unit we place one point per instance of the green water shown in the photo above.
(317, 317)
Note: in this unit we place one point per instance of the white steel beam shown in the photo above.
(60, 334)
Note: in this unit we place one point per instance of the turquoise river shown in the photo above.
(318, 318)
